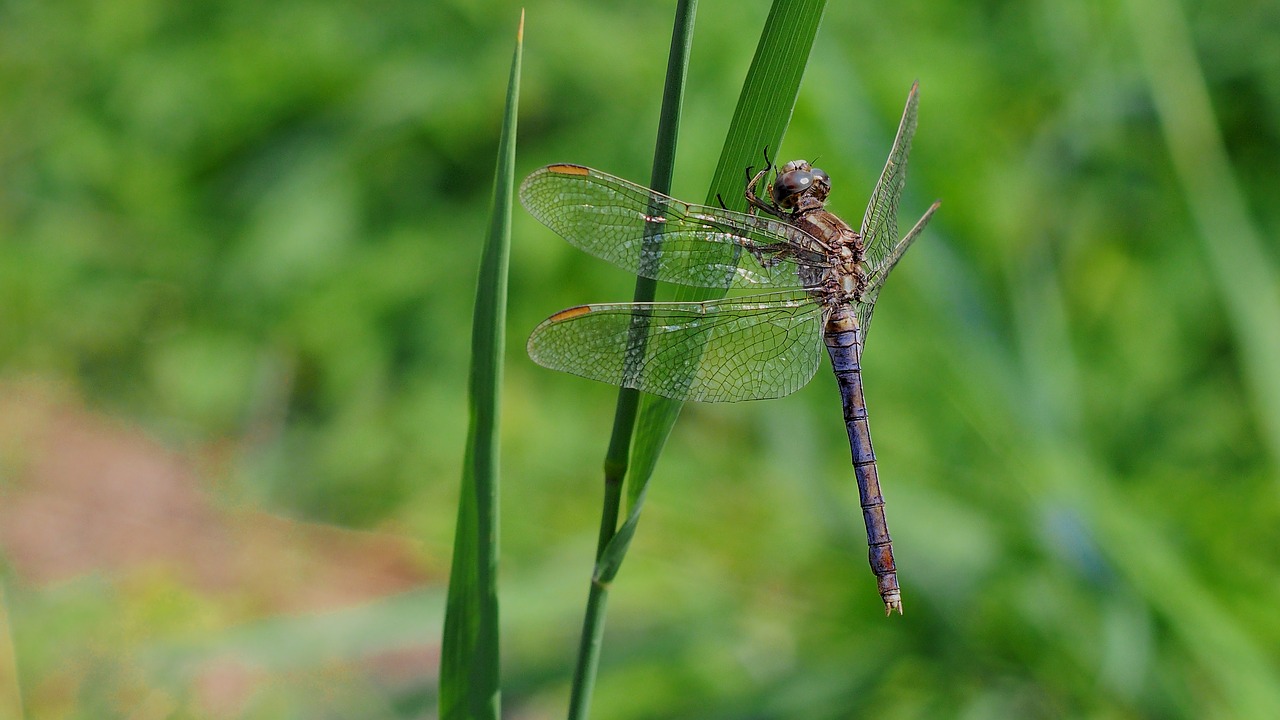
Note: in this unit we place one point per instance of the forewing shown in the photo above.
(656, 236)
(746, 348)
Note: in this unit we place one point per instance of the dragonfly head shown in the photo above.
(800, 187)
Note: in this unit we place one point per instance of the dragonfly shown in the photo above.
(817, 280)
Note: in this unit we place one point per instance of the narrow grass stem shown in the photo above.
(759, 122)
(624, 421)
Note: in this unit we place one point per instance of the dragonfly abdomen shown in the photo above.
(844, 345)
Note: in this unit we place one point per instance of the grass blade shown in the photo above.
(469, 669)
(615, 465)
(763, 111)
(759, 123)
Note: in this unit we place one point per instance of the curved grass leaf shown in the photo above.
(615, 465)
(764, 109)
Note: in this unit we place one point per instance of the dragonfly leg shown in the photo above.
(771, 255)
(754, 200)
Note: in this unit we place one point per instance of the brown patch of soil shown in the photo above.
(87, 493)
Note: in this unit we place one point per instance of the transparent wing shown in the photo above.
(876, 280)
(746, 348)
(656, 236)
(880, 222)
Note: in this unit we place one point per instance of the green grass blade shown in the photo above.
(759, 122)
(615, 465)
(469, 670)
(664, 158)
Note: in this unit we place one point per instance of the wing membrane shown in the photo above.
(880, 222)
(876, 280)
(746, 348)
(657, 236)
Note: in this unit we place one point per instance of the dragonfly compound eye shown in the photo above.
(790, 184)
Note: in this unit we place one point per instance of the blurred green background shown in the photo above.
(238, 244)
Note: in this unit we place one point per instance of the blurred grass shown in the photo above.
(242, 227)
(1245, 276)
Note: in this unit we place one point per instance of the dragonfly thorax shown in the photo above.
(800, 187)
